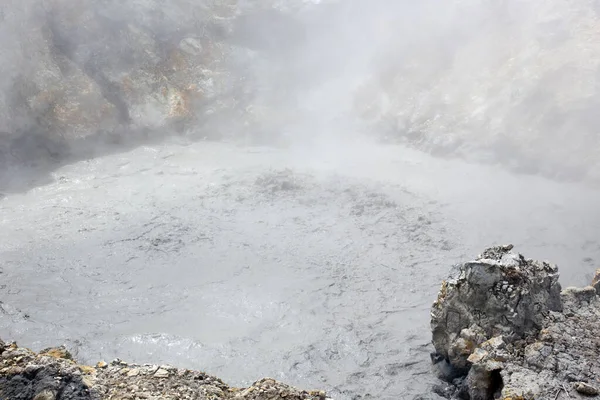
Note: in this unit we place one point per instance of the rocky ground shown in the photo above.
(52, 374)
(503, 329)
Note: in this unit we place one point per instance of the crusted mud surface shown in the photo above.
(52, 374)
(503, 329)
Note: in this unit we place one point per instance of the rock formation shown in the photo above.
(53, 375)
(79, 76)
(92, 68)
(502, 328)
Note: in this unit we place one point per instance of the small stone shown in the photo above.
(133, 372)
(545, 335)
(319, 393)
(57, 352)
(152, 369)
(495, 343)
(477, 356)
(585, 389)
(45, 395)
(87, 381)
(168, 367)
(15, 370)
(102, 364)
(596, 281)
(86, 369)
(161, 373)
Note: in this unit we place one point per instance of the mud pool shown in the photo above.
(313, 265)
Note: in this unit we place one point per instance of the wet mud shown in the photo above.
(316, 266)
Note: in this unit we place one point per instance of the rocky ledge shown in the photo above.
(502, 328)
(52, 374)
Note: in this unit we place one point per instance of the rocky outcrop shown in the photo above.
(502, 328)
(53, 375)
(78, 77)
(90, 68)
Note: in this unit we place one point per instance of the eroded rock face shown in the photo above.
(77, 75)
(503, 329)
(53, 375)
(499, 294)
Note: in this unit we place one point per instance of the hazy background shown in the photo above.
(508, 81)
(244, 187)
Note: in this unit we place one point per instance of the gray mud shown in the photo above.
(315, 266)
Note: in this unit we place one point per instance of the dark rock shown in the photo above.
(585, 389)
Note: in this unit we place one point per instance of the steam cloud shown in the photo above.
(507, 81)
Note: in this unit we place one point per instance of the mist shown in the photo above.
(277, 188)
(510, 82)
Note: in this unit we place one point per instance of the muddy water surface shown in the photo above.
(316, 266)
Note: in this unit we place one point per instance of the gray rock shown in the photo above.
(161, 373)
(584, 388)
(474, 300)
(476, 331)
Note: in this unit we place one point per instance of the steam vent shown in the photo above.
(502, 328)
